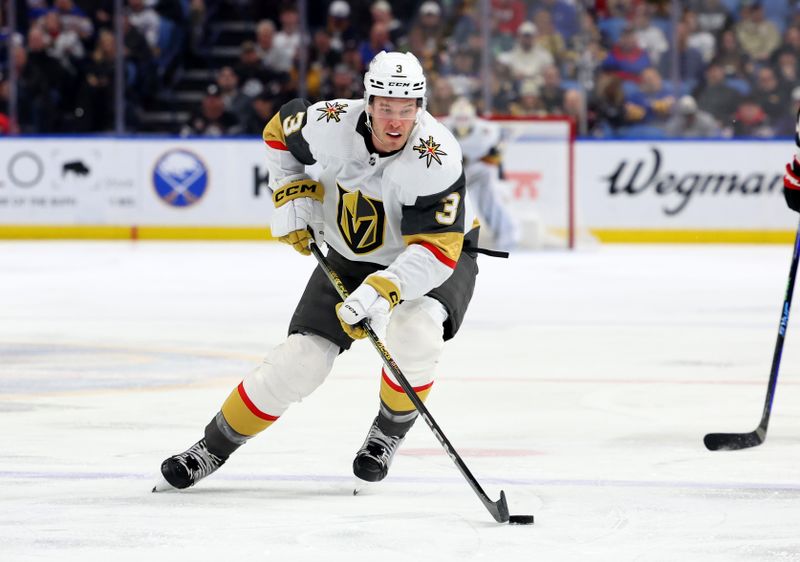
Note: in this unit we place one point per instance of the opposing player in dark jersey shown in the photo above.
(381, 182)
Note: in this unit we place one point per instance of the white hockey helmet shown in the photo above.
(462, 116)
(395, 75)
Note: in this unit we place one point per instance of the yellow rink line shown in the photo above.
(652, 236)
(261, 233)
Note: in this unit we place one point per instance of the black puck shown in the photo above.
(520, 520)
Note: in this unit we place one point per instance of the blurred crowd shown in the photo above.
(620, 68)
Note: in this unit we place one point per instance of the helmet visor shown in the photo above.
(394, 112)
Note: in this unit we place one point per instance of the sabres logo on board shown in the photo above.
(331, 111)
(429, 149)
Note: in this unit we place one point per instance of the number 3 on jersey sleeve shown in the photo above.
(293, 123)
(448, 214)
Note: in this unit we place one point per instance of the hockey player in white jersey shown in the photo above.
(388, 198)
(480, 142)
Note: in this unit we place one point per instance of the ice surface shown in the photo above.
(581, 384)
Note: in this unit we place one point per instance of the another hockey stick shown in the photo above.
(734, 441)
(499, 508)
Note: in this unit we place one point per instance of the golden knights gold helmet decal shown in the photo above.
(361, 221)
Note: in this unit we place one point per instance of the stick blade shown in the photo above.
(498, 509)
(732, 441)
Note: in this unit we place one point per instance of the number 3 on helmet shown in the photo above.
(395, 75)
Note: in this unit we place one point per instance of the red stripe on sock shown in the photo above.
(252, 407)
(398, 388)
(438, 254)
(278, 145)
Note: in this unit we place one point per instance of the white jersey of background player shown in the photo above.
(480, 144)
(388, 196)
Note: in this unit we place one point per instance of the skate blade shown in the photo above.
(163, 486)
(360, 487)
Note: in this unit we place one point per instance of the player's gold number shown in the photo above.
(450, 211)
(293, 123)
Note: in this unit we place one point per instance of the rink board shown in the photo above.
(625, 191)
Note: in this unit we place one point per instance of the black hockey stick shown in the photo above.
(498, 509)
(734, 441)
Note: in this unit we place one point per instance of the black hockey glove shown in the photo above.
(791, 186)
(791, 181)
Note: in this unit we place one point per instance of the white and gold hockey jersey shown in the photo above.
(480, 142)
(405, 210)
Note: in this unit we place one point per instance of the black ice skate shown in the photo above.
(375, 456)
(186, 469)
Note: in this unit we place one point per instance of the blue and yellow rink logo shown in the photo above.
(180, 178)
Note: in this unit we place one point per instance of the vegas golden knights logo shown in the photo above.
(361, 221)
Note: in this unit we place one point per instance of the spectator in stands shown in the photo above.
(712, 16)
(702, 41)
(352, 58)
(716, 97)
(441, 97)
(529, 102)
(563, 14)
(381, 12)
(51, 80)
(66, 46)
(609, 110)
(262, 108)
(269, 54)
(573, 105)
(426, 36)
(146, 20)
(757, 36)
(96, 98)
(626, 60)
(503, 90)
(730, 57)
(378, 41)
(74, 19)
(586, 52)
(255, 77)
(342, 35)
(690, 122)
(344, 83)
(768, 94)
(791, 43)
(654, 97)
(463, 73)
(527, 59)
(649, 37)
(690, 61)
(618, 9)
(751, 121)
(233, 99)
(36, 9)
(548, 36)
(288, 39)
(785, 124)
(211, 119)
(587, 29)
(508, 15)
(467, 23)
(551, 93)
(321, 60)
(787, 71)
(142, 84)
